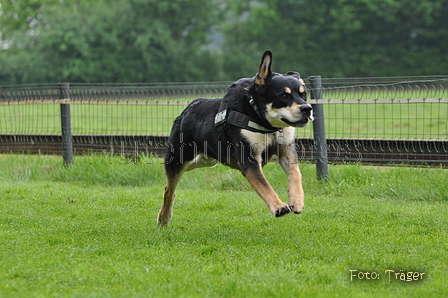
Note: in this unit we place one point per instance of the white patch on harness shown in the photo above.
(220, 117)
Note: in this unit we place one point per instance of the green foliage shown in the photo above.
(344, 38)
(180, 40)
(90, 230)
(111, 41)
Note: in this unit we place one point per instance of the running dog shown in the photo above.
(254, 121)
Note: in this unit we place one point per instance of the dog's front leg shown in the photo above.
(257, 180)
(289, 161)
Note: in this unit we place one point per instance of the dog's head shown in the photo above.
(281, 98)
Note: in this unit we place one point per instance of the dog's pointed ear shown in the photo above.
(265, 68)
(294, 74)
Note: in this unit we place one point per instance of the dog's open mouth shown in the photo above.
(301, 123)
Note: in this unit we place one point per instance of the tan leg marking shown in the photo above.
(166, 212)
(262, 187)
(295, 190)
(289, 162)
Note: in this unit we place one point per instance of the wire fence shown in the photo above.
(131, 109)
(358, 109)
(397, 108)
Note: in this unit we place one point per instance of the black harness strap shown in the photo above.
(226, 117)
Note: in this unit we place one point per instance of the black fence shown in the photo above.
(402, 120)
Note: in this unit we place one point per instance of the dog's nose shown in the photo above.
(306, 109)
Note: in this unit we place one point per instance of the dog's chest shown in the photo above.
(259, 142)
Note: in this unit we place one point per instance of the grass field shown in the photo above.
(89, 119)
(90, 231)
(382, 120)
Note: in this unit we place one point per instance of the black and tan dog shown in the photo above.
(254, 121)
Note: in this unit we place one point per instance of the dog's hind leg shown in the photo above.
(174, 169)
(166, 212)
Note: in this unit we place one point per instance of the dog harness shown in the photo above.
(226, 116)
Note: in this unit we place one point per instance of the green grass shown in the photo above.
(222, 241)
(90, 119)
(394, 120)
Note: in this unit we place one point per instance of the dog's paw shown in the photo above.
(283, 210)
(162, 222)
(164, 219)
(296, 210)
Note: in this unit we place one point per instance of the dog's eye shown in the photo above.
(303, 95)
(285, 95)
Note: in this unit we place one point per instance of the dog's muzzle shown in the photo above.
(307, 111)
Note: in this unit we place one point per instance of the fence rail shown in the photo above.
(95, 93)
(374, 120)
(350, 151)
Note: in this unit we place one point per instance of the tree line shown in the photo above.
(210, 40)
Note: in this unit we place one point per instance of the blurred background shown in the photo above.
(119, 41)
